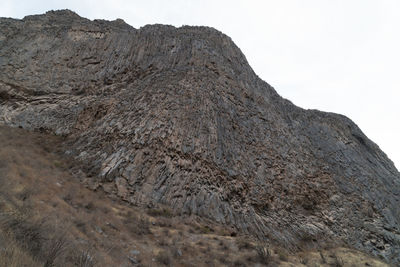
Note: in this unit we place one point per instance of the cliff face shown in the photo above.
(177, 116)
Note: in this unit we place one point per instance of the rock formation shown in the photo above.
(177, 116)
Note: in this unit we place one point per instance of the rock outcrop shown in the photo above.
(177, 116)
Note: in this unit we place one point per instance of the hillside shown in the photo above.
(48, 217)
(177, 117)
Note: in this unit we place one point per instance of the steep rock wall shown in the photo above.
(177, 116)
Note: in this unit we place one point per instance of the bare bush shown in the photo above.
(263, 253)
(161, 212)
(243, 243)
(282, 254)
(323, 259)
(337, 261)
(163, 257)
(55, 248)
(138, 225)
(85, 259)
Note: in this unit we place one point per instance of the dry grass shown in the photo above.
(12, 255)
(30, 240)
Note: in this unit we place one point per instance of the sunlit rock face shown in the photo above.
(177, 116)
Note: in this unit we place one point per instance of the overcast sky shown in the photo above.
(337, 56)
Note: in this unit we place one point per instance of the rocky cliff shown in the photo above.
(177, 116)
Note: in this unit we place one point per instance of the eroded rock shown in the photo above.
(177, 116)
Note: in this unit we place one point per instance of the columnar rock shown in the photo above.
(177, 116)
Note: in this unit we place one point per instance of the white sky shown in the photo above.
(333, 55)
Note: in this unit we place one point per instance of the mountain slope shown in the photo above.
(177, 116)
(48, 218)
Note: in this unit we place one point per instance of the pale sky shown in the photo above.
(332, 55)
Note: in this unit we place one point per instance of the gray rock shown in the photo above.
(134, 252)
(177, 116)
(133, 260)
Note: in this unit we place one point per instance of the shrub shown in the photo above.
(322, 257)
(239, 263)
(337, 261)
(205, 229)
(282, 255)
(263, 253)
(243, 243)
(54, 249)
(138, 225)
(162, 212)
(85, 259)
(163, 257)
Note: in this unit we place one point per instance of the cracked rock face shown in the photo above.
(177, 116)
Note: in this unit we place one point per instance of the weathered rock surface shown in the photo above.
(177, 115)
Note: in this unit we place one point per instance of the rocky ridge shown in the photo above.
(177, 116)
